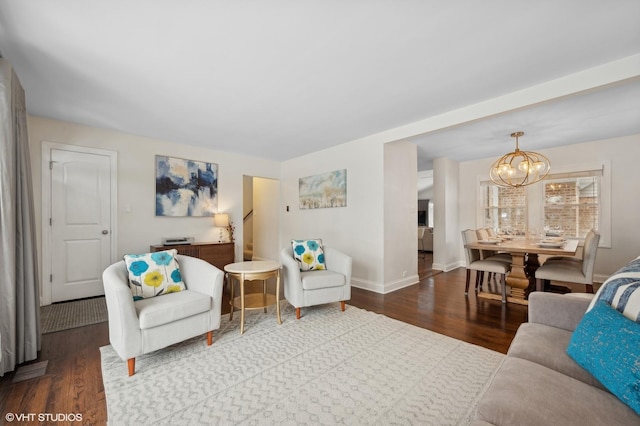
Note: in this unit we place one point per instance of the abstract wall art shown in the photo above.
(185, 187)
(324, 190)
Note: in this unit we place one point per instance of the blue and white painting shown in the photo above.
(185, 187)
(323, 191)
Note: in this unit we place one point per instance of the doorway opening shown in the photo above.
(261, 221)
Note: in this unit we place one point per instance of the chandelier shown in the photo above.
(519, 168)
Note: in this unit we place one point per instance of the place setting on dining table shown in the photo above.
(533, 240)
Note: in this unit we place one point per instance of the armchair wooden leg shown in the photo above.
(590, 288)
(209, 338)
(131, 363)
(297, 313)
(343, 305)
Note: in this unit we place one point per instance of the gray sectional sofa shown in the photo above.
(539, 384)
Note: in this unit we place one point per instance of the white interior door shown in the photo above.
(80, 223)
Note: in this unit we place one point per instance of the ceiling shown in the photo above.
(280, 79)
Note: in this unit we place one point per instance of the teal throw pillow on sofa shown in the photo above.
(607, 345)
(153, 274)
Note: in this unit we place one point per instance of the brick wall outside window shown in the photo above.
(505, 209)
(571, 207)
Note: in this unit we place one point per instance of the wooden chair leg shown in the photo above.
(479, 280)
(131, 363)
(343, 305)
(539, 284)
(466, 285)
(590, 288)
(297, 313)
(503, 281)
(209, 338)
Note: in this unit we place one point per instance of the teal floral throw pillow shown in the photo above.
(153, 274)
(309, 254)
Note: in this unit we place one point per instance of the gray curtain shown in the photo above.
(19, 286)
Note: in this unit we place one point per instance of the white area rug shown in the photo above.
(330, 367)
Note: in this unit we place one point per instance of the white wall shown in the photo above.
(377, 228)
(400, 213)
(356, 229)
(446, 200)
(359, 228)
(623, 154)
(140, 228)
(427, 194)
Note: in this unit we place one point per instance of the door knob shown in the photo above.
(105, 232)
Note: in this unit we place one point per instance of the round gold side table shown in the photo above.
(253, 271)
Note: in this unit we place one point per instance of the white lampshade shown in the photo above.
(221, 220)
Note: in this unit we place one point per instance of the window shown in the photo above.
(567, 203)
(505, 208)
(430, 214)
(572, 205)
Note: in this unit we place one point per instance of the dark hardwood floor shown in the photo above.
(438, 303)
(73, 382)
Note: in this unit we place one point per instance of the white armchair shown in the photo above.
(143, 326)
(311, 288)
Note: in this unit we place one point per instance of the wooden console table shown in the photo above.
(217, 254)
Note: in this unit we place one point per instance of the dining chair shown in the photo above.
(485, 234)
(482, 234)
(481, 265)
(421, 231)
(571, 269)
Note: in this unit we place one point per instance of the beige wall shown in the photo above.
(621, 153)
(137, 225)
(359, 228)
(400, 215)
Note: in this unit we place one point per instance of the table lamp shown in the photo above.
(221, 220)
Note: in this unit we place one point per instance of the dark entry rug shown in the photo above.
(76, 313)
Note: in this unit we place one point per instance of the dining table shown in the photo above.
(524, 253)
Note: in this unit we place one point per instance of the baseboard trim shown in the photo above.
(402, 283)
(386, 287)
(367, 285)
(448, 267)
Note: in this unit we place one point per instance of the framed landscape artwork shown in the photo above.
(324, 190)
(185, 187)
